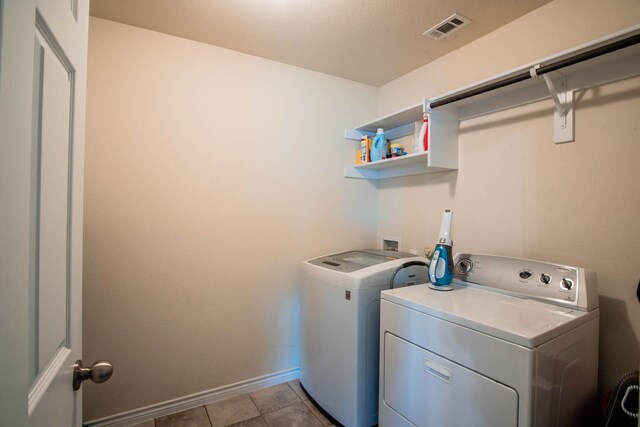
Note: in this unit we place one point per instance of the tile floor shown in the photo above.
(283, 405)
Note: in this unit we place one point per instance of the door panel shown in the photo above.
(52, 200)
(43, 53)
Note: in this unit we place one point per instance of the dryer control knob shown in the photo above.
(464, 266)
(525, 274)
(545, 278)
(567, 283)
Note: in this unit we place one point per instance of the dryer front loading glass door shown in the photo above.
(429, 390)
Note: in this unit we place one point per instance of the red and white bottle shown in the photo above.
(423, 137)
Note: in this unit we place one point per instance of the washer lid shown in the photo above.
(521, 321)
(348, 262)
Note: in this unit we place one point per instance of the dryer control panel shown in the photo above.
(559, 284)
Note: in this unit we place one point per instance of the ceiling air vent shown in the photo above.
(447, 26)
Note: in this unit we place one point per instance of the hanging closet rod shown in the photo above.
(539, 70)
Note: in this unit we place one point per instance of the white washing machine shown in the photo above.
(340, 319)
(515, 343)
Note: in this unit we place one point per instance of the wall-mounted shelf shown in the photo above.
(443, 144)
(608, 59)
(411, 164)
(395, 125)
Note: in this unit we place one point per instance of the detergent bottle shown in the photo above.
(379, 146)
(365, 148)
(423, 137)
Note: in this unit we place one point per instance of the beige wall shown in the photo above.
(210, 175)
(516, 193)
(201, 160)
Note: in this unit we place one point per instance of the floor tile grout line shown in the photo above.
(305, 407)
(286, 406)
(208, 415)
(254, 403)
(314, 415)
(261, 415)
(310, 402)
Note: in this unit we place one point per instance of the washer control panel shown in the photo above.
(560, 284)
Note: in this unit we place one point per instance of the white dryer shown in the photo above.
(515, 343)
(340, 328)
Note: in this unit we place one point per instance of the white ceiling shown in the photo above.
(369, 41)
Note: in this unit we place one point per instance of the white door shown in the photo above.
(43, 57)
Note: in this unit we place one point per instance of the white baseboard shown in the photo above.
(194, 400)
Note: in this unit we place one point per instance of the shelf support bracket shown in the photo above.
(563, 129)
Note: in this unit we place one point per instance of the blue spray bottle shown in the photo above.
(441, 267)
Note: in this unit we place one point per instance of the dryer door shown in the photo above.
(428, 390)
